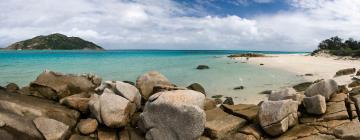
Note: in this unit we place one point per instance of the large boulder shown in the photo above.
(129, 92)
(174, 114)
(31, 107)
(55, 86)
(146, 82)
(325, 88)
(94, 107)
(315, 104)
(52, 129)
(115, 110)
(276, 117)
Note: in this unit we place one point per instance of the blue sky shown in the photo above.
(285, 25)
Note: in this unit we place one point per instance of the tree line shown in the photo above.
(338, 46)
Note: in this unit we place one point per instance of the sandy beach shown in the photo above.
(301, 64)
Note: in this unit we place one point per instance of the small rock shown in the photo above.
(216, 96)
(146, 82)
(354, 84)
(129, 82)
(315, 104)
(12, 87)
(87, 126)
(261, 64)
(302, 86)
(358, 73)
(228, 101)
(209, 104)
(309, 74)
(52, 129)
(246, 111)
(202, 67)
(105, 133)
(266, 92)
(80, 137)
(218, 101)
(239, 88)
(197, 87)
(283, 94)
(345, 72)
(325, 88)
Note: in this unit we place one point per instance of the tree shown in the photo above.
(352, 44)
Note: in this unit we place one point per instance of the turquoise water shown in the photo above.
(22, 67)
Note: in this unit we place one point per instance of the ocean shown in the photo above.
(22, 67)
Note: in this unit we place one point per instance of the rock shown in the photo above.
(239, 88)
(87, 126)
(77, 101)
(165, 113)
(115, 110)
(246, 55)
(209, 104)
(129, 82)
(354, 84)
(345, 72)
(267, 92)
(315, 104)
(253, 129)
(240, 136)
(80, 137)
(129, 92)
(197, 87)
(218, 101)
(343, 89)
(299, 131)
(276, 117)
(52, 129)
(216, 96)
(358, 73)
(18, 127)
(261, 64)
(283, 94)
(31, 107)
(55, 86)
(308, 74)
(302, 86)
(12, 87)
(229, 101)
(325, 88)
(348, 131)
(202, 67)
(94, 107)
(220, 124)
(129, 133)
(146, 82)
(105, 133)
(160, 88)
(246, 111)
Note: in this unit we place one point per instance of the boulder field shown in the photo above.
(58, 106)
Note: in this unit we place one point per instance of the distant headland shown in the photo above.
(54, 42)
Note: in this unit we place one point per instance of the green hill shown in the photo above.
(54, 42)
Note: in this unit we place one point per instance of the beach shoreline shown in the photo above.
(310, 67)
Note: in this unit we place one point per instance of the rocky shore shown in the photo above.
(58, 106)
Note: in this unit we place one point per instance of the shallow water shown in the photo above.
(22, 67)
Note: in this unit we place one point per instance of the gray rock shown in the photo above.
(325, 88)
(197, 87)
(202, 67)
(87, 126)
(146, 82)
(348, 131)
(129, 92)
(229, 101)
(94, 107)
(165, 113)
(315, 104)
(52, 129)
(282, 94)
(115, 110)
(276, 117)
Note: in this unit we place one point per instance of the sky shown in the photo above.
(264, 25)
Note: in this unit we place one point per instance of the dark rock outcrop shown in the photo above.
(202, 67)
(345, 72)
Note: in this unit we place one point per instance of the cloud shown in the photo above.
(167, 24)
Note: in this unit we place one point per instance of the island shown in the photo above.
(54, 41)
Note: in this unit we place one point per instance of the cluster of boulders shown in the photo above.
(83, 107)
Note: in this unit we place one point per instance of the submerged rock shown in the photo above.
(202, 67)
(146, 82)
(165, 113)
(276, 117)
(345, 72)
(325, 88)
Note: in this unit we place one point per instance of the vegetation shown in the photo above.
(54, 42)
(336, 46)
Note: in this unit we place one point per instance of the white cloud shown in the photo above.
(165, 24)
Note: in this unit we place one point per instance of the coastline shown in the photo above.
(301, 64)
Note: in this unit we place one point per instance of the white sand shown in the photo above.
(300, 64)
